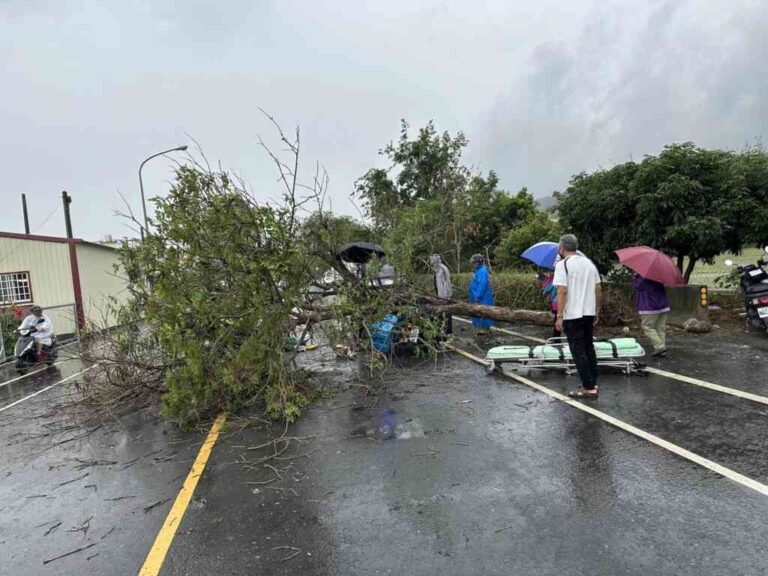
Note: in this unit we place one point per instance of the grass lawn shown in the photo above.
(706, 273)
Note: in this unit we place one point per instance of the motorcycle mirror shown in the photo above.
(729, 263)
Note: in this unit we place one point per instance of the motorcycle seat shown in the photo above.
(756, 289)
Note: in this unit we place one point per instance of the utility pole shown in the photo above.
(67, 199)
(26, 214)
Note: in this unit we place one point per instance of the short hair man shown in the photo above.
(579, 297)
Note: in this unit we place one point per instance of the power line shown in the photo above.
(20, 243)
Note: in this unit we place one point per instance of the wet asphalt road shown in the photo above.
(447, 471)
(66, 486)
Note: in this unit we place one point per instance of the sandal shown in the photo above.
(584, 393)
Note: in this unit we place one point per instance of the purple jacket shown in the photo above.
(651, 296)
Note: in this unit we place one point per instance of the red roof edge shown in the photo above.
(59, 239)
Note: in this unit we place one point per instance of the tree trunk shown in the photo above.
(498, 313)
(437, 306)
(689, 269)
(680, 262)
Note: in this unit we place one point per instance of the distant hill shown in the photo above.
(546, 203)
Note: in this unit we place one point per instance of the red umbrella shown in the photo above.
(651, 265)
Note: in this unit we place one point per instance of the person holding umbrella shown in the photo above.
(653, 308)
(653, 270)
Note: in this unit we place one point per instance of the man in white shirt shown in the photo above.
(579, 298)
(43, 333)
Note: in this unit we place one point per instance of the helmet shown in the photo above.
(35, 309)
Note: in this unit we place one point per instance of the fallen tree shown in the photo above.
(224, 289)
(498, 313)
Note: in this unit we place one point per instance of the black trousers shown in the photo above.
(580, 334)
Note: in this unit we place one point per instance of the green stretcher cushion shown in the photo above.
(625, 348)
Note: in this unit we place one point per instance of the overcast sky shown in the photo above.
(543, 89)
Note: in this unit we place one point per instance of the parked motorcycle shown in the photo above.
(753, 279)
(26, 352)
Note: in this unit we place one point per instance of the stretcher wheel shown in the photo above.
(490, 368)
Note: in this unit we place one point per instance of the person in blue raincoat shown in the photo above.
(481, 292)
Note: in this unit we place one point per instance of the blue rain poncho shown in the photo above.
(481, 292)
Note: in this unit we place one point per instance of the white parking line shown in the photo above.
(11, 405)
(658, 372)
(44, 367)
(23, 376)
(674, 448)
(710, 385)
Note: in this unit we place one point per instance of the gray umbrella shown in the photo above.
(359, 252)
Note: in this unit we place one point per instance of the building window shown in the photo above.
(15, 288)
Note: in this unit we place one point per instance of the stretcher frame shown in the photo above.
(628, 365)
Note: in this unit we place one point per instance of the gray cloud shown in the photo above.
(629, 83)
(90, 89)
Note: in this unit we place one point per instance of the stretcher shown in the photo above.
(554, 354)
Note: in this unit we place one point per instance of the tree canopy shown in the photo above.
(689, 202)
(427, 201)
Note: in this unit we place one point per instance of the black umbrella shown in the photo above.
(359, 252)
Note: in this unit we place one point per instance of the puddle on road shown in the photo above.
(387, 428)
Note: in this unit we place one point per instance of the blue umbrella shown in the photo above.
(543, 254)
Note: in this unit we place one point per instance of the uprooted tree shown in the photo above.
(221, 281)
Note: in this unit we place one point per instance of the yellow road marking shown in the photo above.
(164, 539)
(658, 372)
(710, 385)
(674, 448)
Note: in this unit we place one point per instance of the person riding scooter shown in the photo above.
(43, 329)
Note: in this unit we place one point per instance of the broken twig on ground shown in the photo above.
(73, 480)
(155, 505)
(296, 553)
(91, 545)
(52, 529)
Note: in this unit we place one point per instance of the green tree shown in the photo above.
(491, 213)
(540, 227)
(225, 276)
(600, 209)
(425, 167)
(691, 204)
(750, 170)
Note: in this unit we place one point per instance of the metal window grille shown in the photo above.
(15, 288)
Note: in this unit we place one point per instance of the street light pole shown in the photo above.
(141, 184)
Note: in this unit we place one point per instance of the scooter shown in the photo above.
(26, 353)
(754, 286)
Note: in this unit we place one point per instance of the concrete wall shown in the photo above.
(49, 273)
(99, 282)
(684, 303)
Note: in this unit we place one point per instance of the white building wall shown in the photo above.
(98, 282)
(50, 276)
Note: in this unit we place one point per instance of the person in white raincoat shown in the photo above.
(443, 286)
